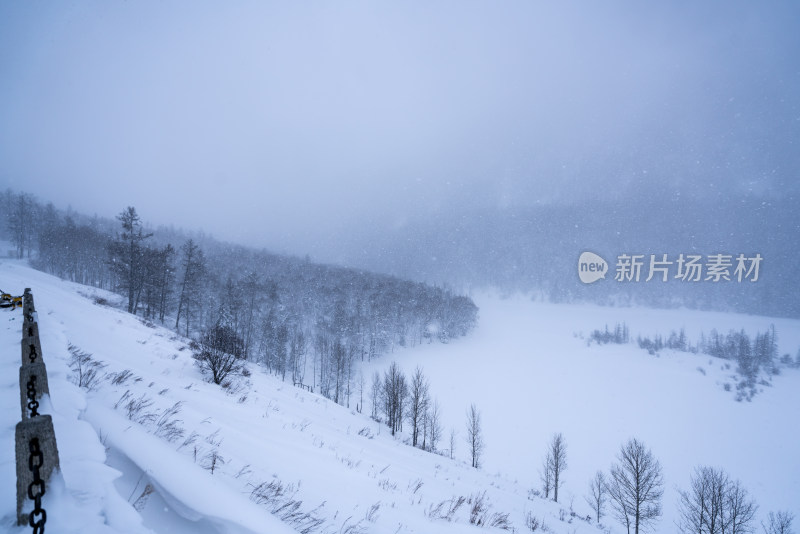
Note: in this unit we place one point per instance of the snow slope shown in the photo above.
(84, 497)
(523, 367)
(348, 473)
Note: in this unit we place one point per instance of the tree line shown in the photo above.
(397, 400)
(308, 323)
(753, 355)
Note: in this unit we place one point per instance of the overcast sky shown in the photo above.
(277, 123)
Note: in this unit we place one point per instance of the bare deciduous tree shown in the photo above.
(361, 384)
(555, 463)
(375, 394)
(546, 475)
(739, 510)
(597, 495)
(434, 420)
(254, 290)
(21, 219)
(475, 435)
(394, 394)
(779, 523)
(697, 505)
(636, 487)
(715, 504)
(418, 401)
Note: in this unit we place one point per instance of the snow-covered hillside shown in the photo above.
(136, 451)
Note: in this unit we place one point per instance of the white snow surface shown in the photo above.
(526, 367)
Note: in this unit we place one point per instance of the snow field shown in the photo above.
(529, 370)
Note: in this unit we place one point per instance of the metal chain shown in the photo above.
(33, 404)
(36, 488)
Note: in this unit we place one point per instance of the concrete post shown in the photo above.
(28, 311)
(27, 299)
(40, 427)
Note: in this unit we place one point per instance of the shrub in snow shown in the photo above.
(219, 353)
(534, 524)
(213, 461)
(85, 369)
(280, 499)
(168, 426)
(446, 509)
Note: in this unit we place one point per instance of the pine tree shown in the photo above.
(128, 256)
(190, 295)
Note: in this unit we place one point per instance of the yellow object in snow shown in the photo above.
(10, 301)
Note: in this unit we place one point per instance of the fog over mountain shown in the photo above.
(536, 249)
(351, 131)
